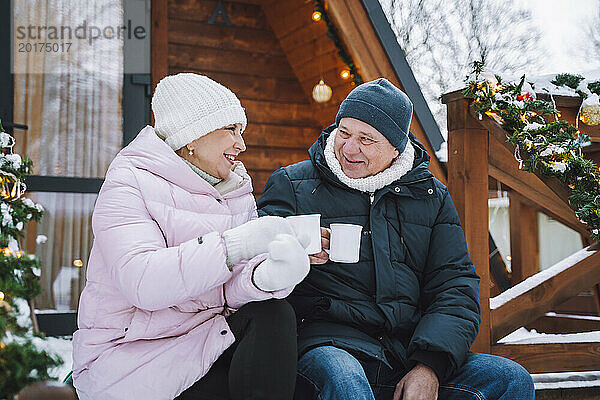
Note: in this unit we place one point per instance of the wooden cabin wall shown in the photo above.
(310, 52)
(248, 59)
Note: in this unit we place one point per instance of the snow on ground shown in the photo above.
(538, 278)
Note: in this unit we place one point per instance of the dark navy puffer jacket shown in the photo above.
(413, 294)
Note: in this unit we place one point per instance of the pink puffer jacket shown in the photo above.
(151, 316)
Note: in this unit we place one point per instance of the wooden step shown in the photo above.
(592, 393)
(559, 386)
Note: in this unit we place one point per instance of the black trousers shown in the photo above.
(261, 364)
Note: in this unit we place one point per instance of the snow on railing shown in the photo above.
(539, 278)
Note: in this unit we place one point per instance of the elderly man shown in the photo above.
(398, 323)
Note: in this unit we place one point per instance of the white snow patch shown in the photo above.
(61, 346)
(573, 316)
(538, 278)
(442, 153)
(524, 336)
(564, 380)
(559, 166)
(41, 239)
(543, 84)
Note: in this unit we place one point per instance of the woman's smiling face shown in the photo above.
(215, 152)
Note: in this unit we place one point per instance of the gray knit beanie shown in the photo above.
(188, 106)
(383, 106)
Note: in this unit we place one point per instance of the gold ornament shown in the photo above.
(590, 115)
(10, 187)
(321, 92)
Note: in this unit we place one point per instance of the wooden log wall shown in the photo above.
(311, 54)
(248, 59)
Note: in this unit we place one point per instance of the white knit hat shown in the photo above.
(188, 106)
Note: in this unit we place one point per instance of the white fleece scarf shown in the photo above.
(370, 184)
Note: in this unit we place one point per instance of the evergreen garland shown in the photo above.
(332, 34)
(550, 148)
(21, 363)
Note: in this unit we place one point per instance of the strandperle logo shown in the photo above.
(84, 31)
(81, 36)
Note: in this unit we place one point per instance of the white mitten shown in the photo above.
(286, 266)
(252, 238)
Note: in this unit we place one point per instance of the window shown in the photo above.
(80, 86)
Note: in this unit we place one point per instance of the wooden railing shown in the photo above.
(477, 150)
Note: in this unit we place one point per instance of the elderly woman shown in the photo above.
(183, 280)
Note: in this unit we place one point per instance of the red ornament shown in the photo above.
(525, 97)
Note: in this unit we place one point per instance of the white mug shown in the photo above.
(310, 225)
(344, 243)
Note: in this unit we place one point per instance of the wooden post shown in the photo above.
(468, 146)
(524, 245)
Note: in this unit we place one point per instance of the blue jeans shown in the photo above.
(330, 373)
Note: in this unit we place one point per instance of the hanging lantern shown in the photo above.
(321, 92)
(590, 115)
(590, 111)
(10, 187)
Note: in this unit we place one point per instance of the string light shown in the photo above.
(345, 74)
(7, 251)
(316, 16)
(1, 296)
(78, 263)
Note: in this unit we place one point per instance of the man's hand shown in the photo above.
(322, 257)
(420, 383)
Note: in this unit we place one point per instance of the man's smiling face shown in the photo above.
(361, 149)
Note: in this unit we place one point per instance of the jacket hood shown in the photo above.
(419, 170)
(149, 152)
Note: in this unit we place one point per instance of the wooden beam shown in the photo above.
(505, 168)
(468, 186)
(552, 357)
(524, 246)
(528, 301)
(596, 291)
(160, 41)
